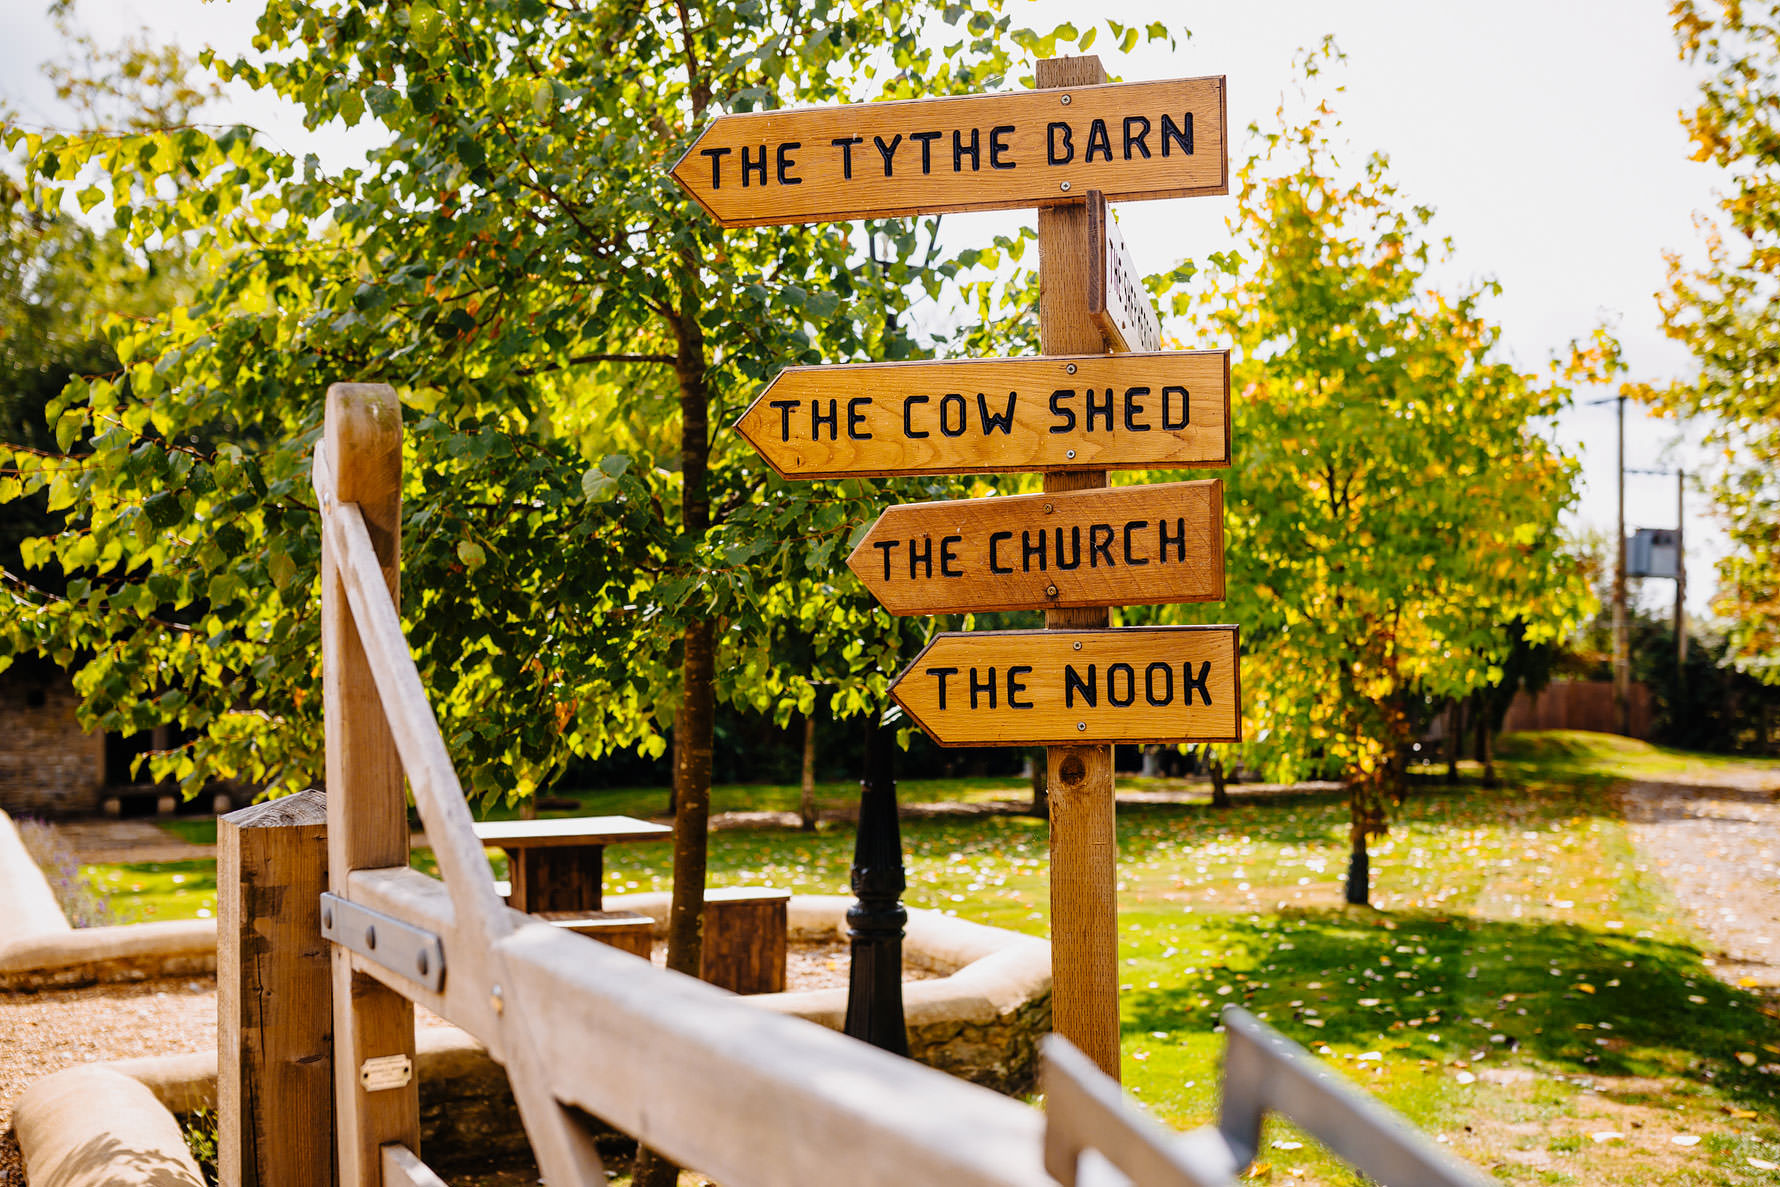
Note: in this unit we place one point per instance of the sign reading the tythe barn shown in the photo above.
(1062, 688)
(1122, 546)
(969, 152)
(1116, 297)
(982, 416)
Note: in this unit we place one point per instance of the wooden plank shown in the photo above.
(746, 932)
(569, 830)
(967, 152)
(274, 1086)
(1123, 546)
(1116, 297)
(556, 877)
(1070, 409)
(403, 1168)
(367, 813)
(1079, 779)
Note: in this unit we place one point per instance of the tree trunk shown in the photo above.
(1220, 798)
(696, 718)
(1359, 867)
(1484, 752)
(1041, 790)
(806, 806)
(1455, 728)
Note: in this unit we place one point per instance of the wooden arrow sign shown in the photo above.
(1063, 688)
(1121, 546)
(1169, 410)
(967, 152)
(1116, 297)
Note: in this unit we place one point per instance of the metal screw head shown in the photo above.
(1069, 369)
(1066, 187)
(1070, 454)
(1081, 725)
(1078, 645)
(497, 1001)
(370, 937)
(1049, 508)
(1050, 591)
(1063, 99)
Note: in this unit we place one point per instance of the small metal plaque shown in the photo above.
(386, 1072)
(394, 943)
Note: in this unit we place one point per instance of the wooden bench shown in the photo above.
(625, 930)
(556, 865)
(745, 938)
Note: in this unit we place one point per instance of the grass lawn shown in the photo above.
(1523, 989)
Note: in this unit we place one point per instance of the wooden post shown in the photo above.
(1084, 852)
(275, 1022)
(367, 815)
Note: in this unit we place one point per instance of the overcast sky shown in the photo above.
(1543, 132)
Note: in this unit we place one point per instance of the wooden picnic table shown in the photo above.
(557, 865)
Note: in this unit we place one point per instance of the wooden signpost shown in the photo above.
(1066, 148)
(1123, 546)
(1074, 688)
(969, 152)
(983, 416)
(1116, 299)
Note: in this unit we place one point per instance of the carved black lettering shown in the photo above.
(845, 144)
(1113, 673)
(981, 686)
(946, 404)
(1179, 539)
(784, 164)
(991, 422)
(922, 556)
(1073, 683)
(784, 407)
(1142, 124)
(1181, 135)
(1075, 548)
(960, 150)
(758, 167)
(832, 420)
(1169, 424)
(1016, 686)
(1149, 684)
(926, 139)
(1098, 142)
(1028, 550)
(856, 418)
(888, 548)
(948, 556)
(1102, 410)
(999, 148)
(908, 428)
(1189, 681)
(1100, 542)
(1068, 148)
(940, 674)
(1134, 409)
(1058, 399)
(995, 539)
(716, 155)
(888, 151)
(1134, 525)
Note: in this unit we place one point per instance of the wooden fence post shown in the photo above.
(1084, 851)
(367, 815)
(275, 1021)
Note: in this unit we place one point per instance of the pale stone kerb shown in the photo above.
(127, 952)
(96, 1127)
(30, 907)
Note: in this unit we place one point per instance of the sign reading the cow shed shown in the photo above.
(982, 416)
(1063, 688)
(970, 152)
(1122, 546)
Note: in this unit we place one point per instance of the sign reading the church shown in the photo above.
(968, 152)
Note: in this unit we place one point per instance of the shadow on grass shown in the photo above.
(1564, 999)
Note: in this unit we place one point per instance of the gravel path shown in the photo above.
(1716, 841)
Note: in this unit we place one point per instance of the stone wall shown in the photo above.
(48, 766)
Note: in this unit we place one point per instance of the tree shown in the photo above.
(1392, 504)
(1727, 311)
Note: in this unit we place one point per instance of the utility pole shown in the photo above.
(1622, 651)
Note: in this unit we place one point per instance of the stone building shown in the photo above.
(48, 765)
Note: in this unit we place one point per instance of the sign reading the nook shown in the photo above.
(1116, 299)
(969, 152)
(982, 416)
(1064, 688)
(1127, 545)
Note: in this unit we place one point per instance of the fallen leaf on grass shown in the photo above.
(1686, 1139)
(1762, 1164)
(1746, 1058)
(1607, 1135)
